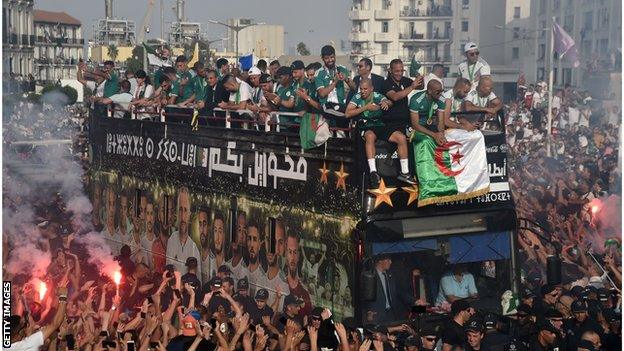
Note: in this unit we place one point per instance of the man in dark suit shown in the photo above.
(364, 71)
(386, 303)
(215, 93)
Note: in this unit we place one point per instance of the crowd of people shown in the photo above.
(557, 176)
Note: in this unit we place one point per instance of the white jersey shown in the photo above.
(479, 101)
(177, 252)
(474, 72)
(257, 279)
(456, 103)
(278, 281)
(244, 92)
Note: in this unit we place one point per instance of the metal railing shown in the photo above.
(275, 122)
(436, 11)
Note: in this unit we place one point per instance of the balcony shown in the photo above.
(358, 37)
(384, 14)
(437, 12)
(360, 15)
(384, 37)
(431, 58)
(58, 41)
(56, 62)
(383, 59)
(424, 37)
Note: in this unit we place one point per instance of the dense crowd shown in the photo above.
(171, 305)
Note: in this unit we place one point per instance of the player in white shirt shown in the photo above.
(453, 100)
(180, 246)
(121, 100)
(240, 94)
(474, 67)
(437, 73)
(483, 98)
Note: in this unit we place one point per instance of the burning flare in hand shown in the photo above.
(43, 288)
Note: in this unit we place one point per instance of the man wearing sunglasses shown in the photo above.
(474, 68)
(364, 68)
(453, 333)
(428, 337)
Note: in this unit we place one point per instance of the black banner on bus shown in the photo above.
(259, 165)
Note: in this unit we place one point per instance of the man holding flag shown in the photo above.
(451, 165)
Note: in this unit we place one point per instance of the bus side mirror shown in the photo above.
(368, 285)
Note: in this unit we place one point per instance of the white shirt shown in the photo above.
(537, 100)
(478, 70)
(244, 90)
(133, 85)
(556, 102)
(147, 89)
(31, 343)
(257, 279)
(121, 100)
(455, 102)
(114, 241)
(146, 250)
(238, 271)
(473, 96)
(177, 253)
(272, 284)
(432, 76)
(573, 115)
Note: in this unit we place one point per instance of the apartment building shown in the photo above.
(17, 36)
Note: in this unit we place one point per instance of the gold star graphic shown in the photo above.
(324, 172)
(342, 176)
(382, 194)
(413, 193)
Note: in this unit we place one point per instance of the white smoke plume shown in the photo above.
(50, 169)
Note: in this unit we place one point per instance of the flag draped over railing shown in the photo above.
(457, 170)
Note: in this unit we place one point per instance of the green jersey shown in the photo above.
(285, 93)
(426, 108)
(111, 86)
(301, 104)
(200, 88)
(188, 89)
(324, 77)
(369, 118)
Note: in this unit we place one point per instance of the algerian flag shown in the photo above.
(313, 130)
(457, 170)
(414, 67)
(154, 60)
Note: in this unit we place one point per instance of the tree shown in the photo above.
(133, 65)
(113, 52)
(302, 49)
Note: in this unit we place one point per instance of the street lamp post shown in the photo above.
(236, 29)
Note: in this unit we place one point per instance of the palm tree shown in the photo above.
(113, 52)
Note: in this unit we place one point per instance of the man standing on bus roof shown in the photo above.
(369, 105)
(331, 82)
(474, 67)
(180, 246)
(294, 282)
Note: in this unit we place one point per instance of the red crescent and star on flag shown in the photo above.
(455, 158)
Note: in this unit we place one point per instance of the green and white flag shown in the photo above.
(457, 170)
(153, 59)
(313, 130)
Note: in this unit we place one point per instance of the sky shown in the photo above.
(315, 22)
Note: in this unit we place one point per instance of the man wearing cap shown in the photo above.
(332, 82)
(493, 340)
(453, 334)
(192, 279)
(260, 308)
(305, 91)
(242, 293)
(581, 322)
(545, 338)
(180, 246)
(292, 311)
(474, 67)
(428, 337)
(613, 338)
(474, 335)
(254, 81)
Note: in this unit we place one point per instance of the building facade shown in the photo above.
(435, 31)
(58, 45)
(18, 37)
(383, 30)
(264, 40)
(595, 26)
